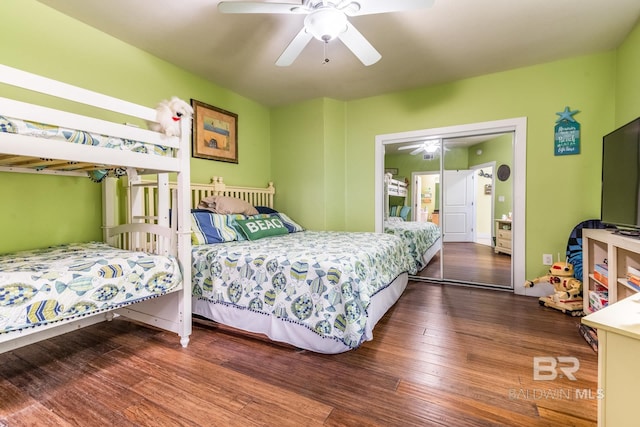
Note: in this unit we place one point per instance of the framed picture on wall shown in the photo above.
(215, 133)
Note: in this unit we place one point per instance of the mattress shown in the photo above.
(41, 130)
(69, 281)
(321, 281)
(418, 236)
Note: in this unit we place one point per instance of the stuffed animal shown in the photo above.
(169, 115)
(568, 290)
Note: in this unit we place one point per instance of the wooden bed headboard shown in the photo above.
(253, 195)
(142, 196)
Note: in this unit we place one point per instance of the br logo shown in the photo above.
(546, 368)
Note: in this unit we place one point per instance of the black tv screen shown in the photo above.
(621, 177)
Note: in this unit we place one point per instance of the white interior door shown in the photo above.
(415, 197)
(457, 212)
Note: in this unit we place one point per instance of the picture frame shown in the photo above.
(215, 133)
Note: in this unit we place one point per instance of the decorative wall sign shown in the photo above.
(566, 134)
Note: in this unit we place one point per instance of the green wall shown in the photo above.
(320, 153)
(308, 162)
(569, 184)
(35, 38)
(500, 150)
(334, 165)
(297, 139)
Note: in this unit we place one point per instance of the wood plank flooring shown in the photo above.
(471, 263)
(442, 356)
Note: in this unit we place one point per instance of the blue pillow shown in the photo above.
(404, 212)
(208, 227)
(290, 224)
(265, 210)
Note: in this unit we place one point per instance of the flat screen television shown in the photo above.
(621, 178)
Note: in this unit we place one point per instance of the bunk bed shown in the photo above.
(138, 271)
(315, 290)
(395, 187)
(423, 239)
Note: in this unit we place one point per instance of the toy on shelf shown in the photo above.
(568, 290)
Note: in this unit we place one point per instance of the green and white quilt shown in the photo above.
(321, 280)
(68, 281)
(419, 236)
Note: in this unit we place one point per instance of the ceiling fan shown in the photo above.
(431, 147)
(327, 20)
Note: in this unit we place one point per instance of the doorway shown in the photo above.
(517, 128)
(425, 199)
(484, 201)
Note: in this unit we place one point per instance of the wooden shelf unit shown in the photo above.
(604, 246)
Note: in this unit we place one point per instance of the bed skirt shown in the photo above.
(294, 334)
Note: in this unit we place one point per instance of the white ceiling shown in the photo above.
(453, 39)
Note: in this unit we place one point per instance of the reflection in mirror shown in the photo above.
(456, 189)
(414, 214)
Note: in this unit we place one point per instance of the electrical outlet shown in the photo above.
(547, 259)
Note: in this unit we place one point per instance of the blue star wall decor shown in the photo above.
(566, 133)
(567, 114)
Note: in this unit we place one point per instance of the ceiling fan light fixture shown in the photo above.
(325, 24)
(431, 148)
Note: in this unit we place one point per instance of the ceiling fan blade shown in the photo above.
(416, 151)
(371, 7)
(295, 47)
(360, 47)
(409, 147)
(260, 7)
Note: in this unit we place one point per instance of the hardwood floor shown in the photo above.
(442, 356)
(471, 263)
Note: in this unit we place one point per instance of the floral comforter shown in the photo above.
(419, 236)
(321, 280)
(67, 281)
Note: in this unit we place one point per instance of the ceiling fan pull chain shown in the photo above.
(326, 59)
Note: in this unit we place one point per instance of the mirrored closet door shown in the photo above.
(461, 185)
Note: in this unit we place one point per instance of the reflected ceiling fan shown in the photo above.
(430, 148)
(327, 20)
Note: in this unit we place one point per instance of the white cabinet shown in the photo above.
(618, 328)
(618, 324)
(503, 236)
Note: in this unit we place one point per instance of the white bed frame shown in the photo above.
(392, 187)
(395, 187)
(27, 154)
(143, 200)
(257, 323)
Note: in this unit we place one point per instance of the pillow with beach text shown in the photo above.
(257, 228)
